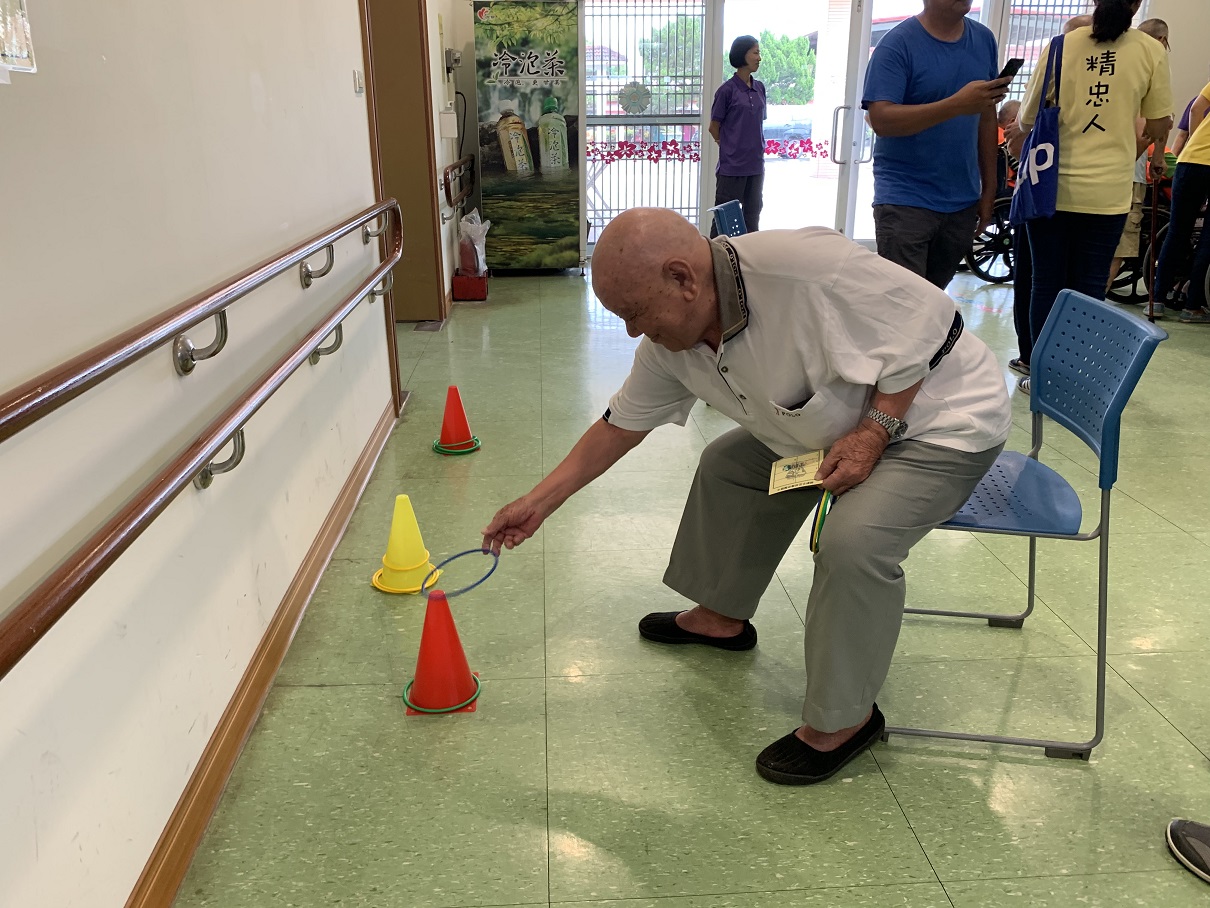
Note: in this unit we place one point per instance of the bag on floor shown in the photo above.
(472, 244)
(1037, 189)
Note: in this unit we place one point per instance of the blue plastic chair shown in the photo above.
(1084, 368)
(729, 219)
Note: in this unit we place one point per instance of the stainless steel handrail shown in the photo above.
(40, 396)
(37, 613)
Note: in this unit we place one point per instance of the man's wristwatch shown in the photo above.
(896, 428)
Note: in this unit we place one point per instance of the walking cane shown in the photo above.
(1152, 253)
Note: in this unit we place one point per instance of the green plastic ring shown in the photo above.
(448, 709)
(440, 449)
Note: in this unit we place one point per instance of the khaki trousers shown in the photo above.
(733, 535)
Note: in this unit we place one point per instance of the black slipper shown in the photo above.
(661, 627)
(791, 761)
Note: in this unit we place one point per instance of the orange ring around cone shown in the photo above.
(378, 583)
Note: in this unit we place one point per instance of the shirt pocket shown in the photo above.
(815, 424)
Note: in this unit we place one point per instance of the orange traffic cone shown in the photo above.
(444, 682)
(456, 437)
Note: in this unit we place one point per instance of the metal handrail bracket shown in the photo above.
(306, 275)
(203, 479)
(185, 355)
(338, 337)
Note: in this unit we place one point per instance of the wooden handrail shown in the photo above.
(40, 396)
(37, 613)
(463, 167)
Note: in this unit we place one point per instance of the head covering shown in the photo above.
(739, 49)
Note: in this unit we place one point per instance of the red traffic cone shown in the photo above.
(456, 437)
(444, 682)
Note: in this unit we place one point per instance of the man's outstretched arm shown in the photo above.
(597, 450)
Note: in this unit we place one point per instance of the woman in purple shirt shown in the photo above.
(736, 119)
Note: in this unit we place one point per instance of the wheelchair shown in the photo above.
(991, 252)
(1133, 283)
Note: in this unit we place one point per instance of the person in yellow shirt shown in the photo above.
(1190, 193)
(1111, 73)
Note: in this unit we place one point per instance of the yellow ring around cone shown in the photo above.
(378, 584)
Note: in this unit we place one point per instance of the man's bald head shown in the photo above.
(655, 270)
(636, 244)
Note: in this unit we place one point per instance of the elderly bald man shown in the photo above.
(809, 342)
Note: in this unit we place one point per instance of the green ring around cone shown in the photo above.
(448, 709)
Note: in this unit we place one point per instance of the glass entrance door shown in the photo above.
(811, 66)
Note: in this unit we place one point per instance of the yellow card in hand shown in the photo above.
(795, 472)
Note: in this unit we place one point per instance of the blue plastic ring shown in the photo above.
(465, 589)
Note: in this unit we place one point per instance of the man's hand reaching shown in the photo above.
(513, 524)
(852, 458)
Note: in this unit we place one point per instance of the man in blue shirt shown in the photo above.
(931, 92)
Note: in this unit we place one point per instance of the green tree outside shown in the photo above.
(787, 68)
(672, 61)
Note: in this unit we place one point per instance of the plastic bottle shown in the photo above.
(514, 142)
(552, 137)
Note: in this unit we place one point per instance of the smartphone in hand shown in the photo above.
(1011, 68)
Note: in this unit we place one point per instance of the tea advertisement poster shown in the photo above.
(526, 61)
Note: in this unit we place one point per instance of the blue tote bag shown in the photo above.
(1038, 176)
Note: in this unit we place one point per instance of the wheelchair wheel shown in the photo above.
(991, 255)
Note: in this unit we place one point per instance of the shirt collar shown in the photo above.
(729, 284)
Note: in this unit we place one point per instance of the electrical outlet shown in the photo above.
(453, 59)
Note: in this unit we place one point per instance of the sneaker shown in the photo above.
(1195, 317)
(1157, 310)
(1189, 843)
(1023, 384)
(1019, 365)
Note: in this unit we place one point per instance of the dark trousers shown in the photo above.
(1023, 288)
(929, 243)
(1190, 192)
(748, 191)
(1071, 251)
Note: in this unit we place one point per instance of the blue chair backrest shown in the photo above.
(1084, 368)
(729, 219)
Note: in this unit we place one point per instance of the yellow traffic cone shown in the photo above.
(405, 547)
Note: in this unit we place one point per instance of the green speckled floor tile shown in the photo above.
(621, 512)
(1175, 685)
(340, 799)
(984, 812)
(1109, 890)
(1153, 607)
(653, 792)
(915, 895)
(594, 602)
(601, 769)
(345, 636)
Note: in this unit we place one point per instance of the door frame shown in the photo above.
(849, 131)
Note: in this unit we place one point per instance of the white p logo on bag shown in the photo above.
(1034, 164)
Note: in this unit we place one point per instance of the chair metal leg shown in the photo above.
(994, 619)
(1077, 750)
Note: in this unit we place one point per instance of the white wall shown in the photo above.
(162, 147)
(1188, 24)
